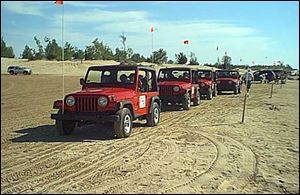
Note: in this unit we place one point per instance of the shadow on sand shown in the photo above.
(47, 133)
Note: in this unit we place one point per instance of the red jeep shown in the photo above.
(228, 80)
(207, 82)
(178, 85)
(118, 94)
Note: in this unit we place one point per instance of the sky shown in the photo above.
(251, 32)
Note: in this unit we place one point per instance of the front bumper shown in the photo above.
(226, 87)
(172, 99)
(96, 117)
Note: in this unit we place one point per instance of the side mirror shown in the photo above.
(82, 81)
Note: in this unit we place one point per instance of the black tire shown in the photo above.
(11, 72)
(239, 89)
(235, 91)
(209, 94)
(215, 92)
(186, 101)
(25, 72)
(64, 127)
(196, 100)
(154, 116)
(123, 128)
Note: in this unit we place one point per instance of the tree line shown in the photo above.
(98, 50)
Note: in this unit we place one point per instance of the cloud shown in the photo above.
(26, 8)
(85, 4)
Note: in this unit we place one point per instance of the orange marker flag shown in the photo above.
(152, 29)
(59, 2)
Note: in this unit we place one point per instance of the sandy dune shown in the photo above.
(203, 150)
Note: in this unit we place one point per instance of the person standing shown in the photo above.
(249, 77)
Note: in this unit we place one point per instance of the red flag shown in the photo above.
(186, 42)
(152, 29)
(59, 2)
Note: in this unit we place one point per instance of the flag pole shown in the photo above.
(63, 61)
(152, 48)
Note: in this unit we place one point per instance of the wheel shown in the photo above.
(164, 105)
(123, 127)
(209, 94)
(196, 100)
(153, 117)
(11, 72)
(235, 91)
(186, 101)
(215, 92)
(64, 127)
(239, 89)
(219, 92)
(25, 73)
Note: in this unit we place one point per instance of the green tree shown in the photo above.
(28, 53)
(159, 56)
(193, 60)
(226, 62)
(170, 61)
(40, 54)
(53, 51)
(7, 52)
(181, 58)
(78, 54)
(120, 55)
(69, 51)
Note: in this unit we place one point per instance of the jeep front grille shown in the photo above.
(165, 90)
(86, 104)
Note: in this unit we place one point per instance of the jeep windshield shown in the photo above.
(227, 74)
(111, 77)
(204, 74)
(172, 74)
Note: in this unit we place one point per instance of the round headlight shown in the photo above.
(70, 101)
(102, 101)
(218, 81)
(176, 88)
(202, 84)
(229, 82)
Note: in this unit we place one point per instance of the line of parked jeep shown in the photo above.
(120, 94)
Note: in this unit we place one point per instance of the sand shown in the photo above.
(203, 150)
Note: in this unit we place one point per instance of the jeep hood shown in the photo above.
(228, 79)
(175, 83)
(118, 93)
(205, 81)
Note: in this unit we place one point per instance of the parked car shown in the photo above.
(118, 93)
(179, 85)
(19, 70)
(264, 76)
(228, 80)
(207, 83)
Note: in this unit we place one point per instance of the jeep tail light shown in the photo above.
(57, 104)
(102, 101)
(70, 101)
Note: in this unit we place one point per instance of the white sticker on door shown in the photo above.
(142, 101)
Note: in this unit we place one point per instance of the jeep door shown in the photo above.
(146, 90)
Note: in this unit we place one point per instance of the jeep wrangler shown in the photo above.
(178, 85)
(117, 94)
(228, 80)
(207, 83)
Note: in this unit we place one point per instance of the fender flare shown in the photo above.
(123, 103)
(154, 99)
